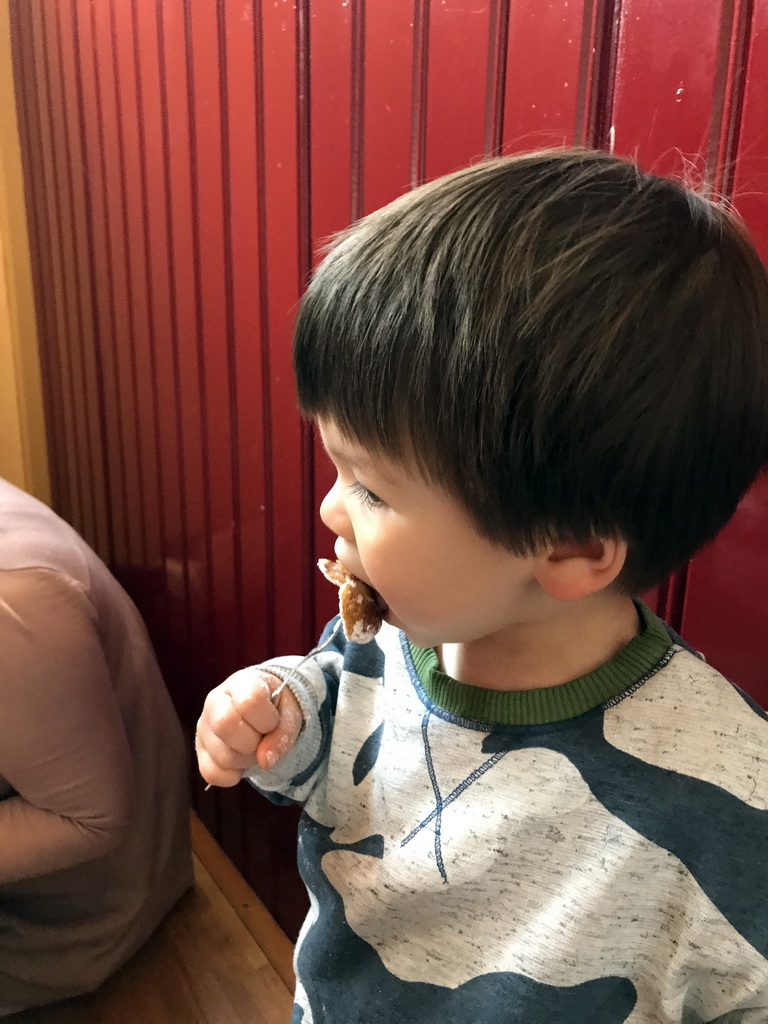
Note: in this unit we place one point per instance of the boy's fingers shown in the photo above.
(281, 740)
(222, 724)
(223, 754)
(213, 773)
(250, 690)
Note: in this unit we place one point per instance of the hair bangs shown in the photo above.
(363, 355)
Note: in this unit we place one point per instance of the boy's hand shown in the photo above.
(240, 726)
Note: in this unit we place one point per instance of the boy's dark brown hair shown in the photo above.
(567, 345)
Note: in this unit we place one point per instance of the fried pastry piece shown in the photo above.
(360, 610)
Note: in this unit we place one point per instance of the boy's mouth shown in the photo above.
(381, 603)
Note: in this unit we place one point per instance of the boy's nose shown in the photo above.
(334, 514)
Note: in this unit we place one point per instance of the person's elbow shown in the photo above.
(100, 838)
(105, 831)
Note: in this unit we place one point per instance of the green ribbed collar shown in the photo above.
(550, 703)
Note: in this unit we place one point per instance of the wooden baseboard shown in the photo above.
(271, 938)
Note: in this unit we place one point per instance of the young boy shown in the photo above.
(543, 382)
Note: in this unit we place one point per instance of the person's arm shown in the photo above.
(63, 748)
(282, 749)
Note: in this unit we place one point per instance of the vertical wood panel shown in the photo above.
(70, 296)
(333, 123)
(192, 572)
(135, 256)
(248, 302)
(85, 135)
(101, 273)
(725, 123)
(542, 110)
(110, 131)
(163, 340)
(670, 64)
(150, 34)
(456, 104)
(215, 327)
(285, 51)
(53, 243)
(495, 77)
(91, 393)
(387, 101)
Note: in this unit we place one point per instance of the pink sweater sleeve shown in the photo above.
(63, 751)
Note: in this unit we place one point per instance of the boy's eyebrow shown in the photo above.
(351, 458)
(358, 460)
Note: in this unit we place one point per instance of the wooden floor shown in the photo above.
(219, 958)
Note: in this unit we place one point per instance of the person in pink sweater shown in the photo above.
(94, 837)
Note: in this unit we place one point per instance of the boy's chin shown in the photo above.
(426, 635)
(415, 636)
(419, 637)
(392, 620)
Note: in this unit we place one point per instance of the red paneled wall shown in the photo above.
(184, 160)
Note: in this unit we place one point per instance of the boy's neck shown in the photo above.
(576, 639)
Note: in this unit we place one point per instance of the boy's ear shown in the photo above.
(570, 570)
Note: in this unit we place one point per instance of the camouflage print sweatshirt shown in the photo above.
(591, 853)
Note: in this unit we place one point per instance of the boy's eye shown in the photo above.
(368, 498)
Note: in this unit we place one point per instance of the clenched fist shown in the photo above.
(240, 726)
